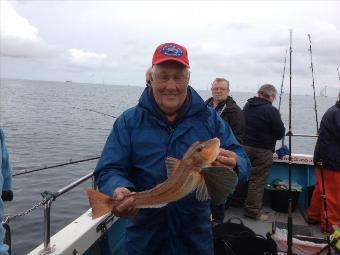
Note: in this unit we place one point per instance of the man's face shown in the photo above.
(220, 90)
(169, 83)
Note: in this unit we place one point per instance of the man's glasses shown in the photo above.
(219, 89)
(177, 78)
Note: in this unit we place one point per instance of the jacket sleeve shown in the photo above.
(278, 129)
(229, 142)
(114, 164)
(6, 169)
(237, 124)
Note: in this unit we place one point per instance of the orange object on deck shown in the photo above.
(332, 190)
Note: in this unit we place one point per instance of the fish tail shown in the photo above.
(99, 202)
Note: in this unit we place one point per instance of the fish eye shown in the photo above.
(199, 149)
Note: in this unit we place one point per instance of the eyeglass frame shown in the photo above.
(154, 76)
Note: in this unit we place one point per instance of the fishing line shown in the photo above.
(71, 162)
(91, 110)
(313, 85)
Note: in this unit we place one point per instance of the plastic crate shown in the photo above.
(278, 199)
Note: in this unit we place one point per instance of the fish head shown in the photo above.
(202, 154)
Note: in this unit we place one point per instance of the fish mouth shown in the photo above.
(214, 148)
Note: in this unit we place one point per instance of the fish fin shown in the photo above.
(99, 202)
(202, 193)
(172, 165)
(220, 182)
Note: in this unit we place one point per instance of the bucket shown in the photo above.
(278, 199)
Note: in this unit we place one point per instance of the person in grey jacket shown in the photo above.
(263, 128)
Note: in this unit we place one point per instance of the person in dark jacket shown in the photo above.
(327, 156)
(169, 117)
(226, 107)
(263, 128)
(229, 111)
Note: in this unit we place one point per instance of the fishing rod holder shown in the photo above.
(49, 198)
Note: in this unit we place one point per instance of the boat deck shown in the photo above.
(261, 227)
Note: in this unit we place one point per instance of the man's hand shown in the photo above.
(226, 158)
(124, 209)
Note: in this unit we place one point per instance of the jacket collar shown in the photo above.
(192, 105)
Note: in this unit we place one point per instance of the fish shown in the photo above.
(193, 173)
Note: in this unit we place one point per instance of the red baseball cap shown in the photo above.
(170, 51)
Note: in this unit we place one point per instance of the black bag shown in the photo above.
(236, 239)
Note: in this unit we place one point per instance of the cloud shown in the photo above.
(18, 37)
(87, 59)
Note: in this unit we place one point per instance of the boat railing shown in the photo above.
(50, 198)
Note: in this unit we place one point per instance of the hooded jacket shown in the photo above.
(263, 124)
(233, 115)
(327, 148)
(133, 157)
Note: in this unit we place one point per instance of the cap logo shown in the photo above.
(171, 50)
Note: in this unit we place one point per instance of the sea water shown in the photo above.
(48, 123)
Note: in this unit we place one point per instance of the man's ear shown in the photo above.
(150, 76)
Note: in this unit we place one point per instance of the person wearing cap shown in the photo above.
(5, 187)
(169, 117)
(327, 162)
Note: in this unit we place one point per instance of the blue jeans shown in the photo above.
(217, 212)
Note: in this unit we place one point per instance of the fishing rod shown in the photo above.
(70, 162)
(321, 162)
(91, 110)
(283, 77)
(312, 68)
(281, 90)
(290, 218)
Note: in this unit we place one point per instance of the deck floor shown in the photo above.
(261, 227)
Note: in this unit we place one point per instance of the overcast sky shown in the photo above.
(112, 42)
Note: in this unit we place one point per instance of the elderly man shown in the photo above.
(169, 117)
(263, 127)
(227, 107)
(229, 111)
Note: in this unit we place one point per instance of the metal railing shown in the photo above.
(51, 197)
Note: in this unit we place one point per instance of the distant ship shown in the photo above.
(69, 81)
(327, 91)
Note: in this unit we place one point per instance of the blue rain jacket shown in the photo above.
(5, 184)
(133, 157)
